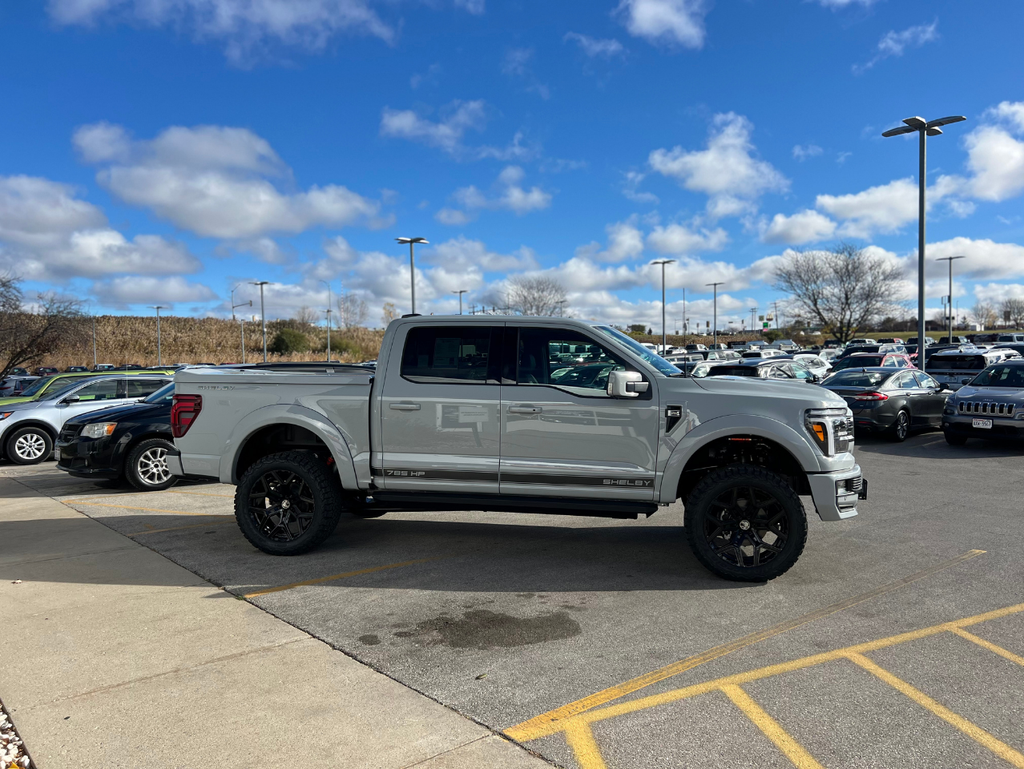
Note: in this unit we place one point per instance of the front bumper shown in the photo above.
(90, 458)
(835, 494)
(1002, 429)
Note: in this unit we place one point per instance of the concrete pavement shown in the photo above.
(113, 656)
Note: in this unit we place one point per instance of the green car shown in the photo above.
(49, 385)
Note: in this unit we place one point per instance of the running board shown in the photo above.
(399, 501)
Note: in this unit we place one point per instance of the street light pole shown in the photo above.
(159, 356)
(328, 319)
(263, 314)
(949, 304)
(715, 286)
(460, 292)
(664, 333)
(412, 266)
(241, 321)
(924, 129)
(94, 343)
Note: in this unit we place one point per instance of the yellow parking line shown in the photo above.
(584, 746)
(231, 519)
(973, 731)
(133, 507)
(794, 751)
(540, 726)
(333, 577)
(989, 645)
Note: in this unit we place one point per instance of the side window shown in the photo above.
(104, 390)
(923, 380)
(140, 388)
(907, 381)
(453, 354)
(564, 359)
(889, 363)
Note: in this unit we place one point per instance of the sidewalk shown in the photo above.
(113, 656)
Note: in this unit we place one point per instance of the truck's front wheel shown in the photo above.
(745, 523)
(288, 503)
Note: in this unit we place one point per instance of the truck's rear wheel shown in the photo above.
(288, 503)
(745, 523)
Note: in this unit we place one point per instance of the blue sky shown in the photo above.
(163, 151)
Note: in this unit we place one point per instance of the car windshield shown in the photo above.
(162, 396)
(856, 379)
(647, 356)
(59, 388)
(1000, 376)
(958, 362)
(859, 361)
(37, 386)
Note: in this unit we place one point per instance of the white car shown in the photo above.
(28, 430)
(815, 363)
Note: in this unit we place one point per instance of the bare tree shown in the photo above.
(538, 295)
(1013, 308)
(306, 316)
(843, 289)
(352, 310)
(389, 314)
(984, 314)
(29, 334)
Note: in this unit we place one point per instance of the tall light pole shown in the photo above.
(561, 307)
(94, 343)
(412, 266)
(460, 292)
(664, 337)
(685, 320)
(263, 314)
(328, 313)
(949, 305)
(241, 321)
(159, 356)
(924, 129)
(715, 286)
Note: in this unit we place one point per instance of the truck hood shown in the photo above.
(770, 394)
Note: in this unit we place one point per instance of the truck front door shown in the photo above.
(562, 434)
(440, 410)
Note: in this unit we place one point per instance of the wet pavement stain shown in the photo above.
(369, 639)
(484, 629)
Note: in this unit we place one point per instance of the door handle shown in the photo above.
(524, 409)
(405, 406)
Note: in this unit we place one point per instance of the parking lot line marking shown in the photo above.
(231, 519)
(540, 726)
(973, 731)
(739, 679)
(989, 645)
(146, 509)
(333, 577)
(581, 739)
(794, 751)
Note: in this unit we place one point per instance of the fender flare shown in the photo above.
(734, 424)
(45, 426)
(291, 414)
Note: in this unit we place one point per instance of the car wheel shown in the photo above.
(29, 446)
(745, 523)
(900, 428)
(288, 503)
(953, 439)
(146, 468)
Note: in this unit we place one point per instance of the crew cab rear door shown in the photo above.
(439, 409)
(562, 434)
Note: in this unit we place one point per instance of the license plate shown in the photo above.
(983, 424)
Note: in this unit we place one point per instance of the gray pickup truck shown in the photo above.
(536, 415)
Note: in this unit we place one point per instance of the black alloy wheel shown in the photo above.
(288, 503)
(745, 523)
(900, 428)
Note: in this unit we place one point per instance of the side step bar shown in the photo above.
(402, 501)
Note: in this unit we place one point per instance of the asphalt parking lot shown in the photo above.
(897, 639)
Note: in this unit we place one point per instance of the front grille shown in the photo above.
(69, 433)
(986, 407)
(854, 484)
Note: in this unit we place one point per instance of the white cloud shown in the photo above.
(121, 292)
(836, 4)
(630, 189)
(453, 217)
(459, 254)
(895, 43)
(884, 208)
(727, 171)
(517, 65)
(803, 227)
(447, 134)
(431, 77)
(245, 28)
(594, 47)
(678, 22)
(678, 239)
(625, 241)
(996, 160)
(510, 196)
(997, 292)
(216, 182)
(267, 250)
(986, 260)
(37, 213)
(801, 152)
(475, 7)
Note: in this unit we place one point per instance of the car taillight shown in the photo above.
(866, 397)
(184, 410)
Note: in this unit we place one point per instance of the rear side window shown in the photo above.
(448, 354)
(140, 388)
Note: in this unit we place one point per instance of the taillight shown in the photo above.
(184, 410)
(862, 397)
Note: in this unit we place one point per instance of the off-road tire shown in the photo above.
(323, 512)
(953, 439)
(899, 431)
(19, 449)
(137, 474)
(700, 508)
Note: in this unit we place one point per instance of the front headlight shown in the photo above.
(831, 430)
(5, 414)
(99, 429)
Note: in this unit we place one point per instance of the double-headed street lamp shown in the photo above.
(715, 330)
(460, 292)
(263, 314)
(159, 357)
(924, 129)
(949, 306)
(664, 338)
(412, 266)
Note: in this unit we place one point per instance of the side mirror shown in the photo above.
(626, 384)
(943, 386)
(814, 379)
(71, 399)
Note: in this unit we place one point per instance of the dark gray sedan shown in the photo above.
(891, 401)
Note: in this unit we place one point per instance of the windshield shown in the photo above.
(647, 356)
(859, 361)
(855, 379)
(162, 396)
(59, 388)
(38, 386)
(958, 362)
(1000, 376)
